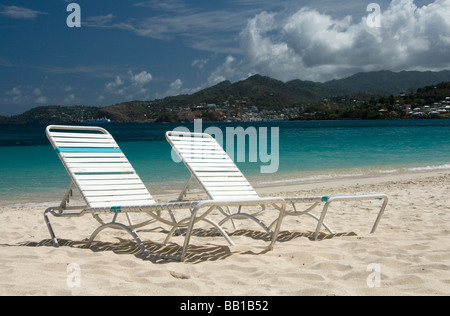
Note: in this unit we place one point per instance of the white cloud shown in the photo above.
(194, 25)
(69, 99)
(111, 86)
(176, 88)
(200, 63)
(25, 95)
(311, 45)
(99, 21)
(17, 95)
(213, 27)
(140, 79)
(14, 91)
(41, 99)
(131, 87)
(226, 70)
(20, 12)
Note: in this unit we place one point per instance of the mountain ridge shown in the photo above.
(262, 92)
(388, 82)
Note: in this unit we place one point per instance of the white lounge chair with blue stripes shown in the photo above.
(221, 179)
(109, 185)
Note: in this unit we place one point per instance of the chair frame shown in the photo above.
(175, 138)
(87, 142)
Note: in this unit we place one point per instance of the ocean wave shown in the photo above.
(340, 174)
(312, 178)
(415, 169)
(388, 171)
(430, 168)
(295, 180)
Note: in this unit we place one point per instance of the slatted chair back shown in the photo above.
(98, 167)
(211, 165)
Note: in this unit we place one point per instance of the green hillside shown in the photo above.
(263, 98)
(388, 82)
(55, 115)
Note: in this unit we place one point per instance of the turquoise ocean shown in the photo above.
(31, 172)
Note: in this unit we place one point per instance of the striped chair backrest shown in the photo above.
(211, 165)
(98, 167)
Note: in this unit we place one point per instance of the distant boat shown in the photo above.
(103, 120)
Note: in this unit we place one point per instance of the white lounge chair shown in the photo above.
(219, 176)
(109, 185)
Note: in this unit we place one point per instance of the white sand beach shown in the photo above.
(408, 255)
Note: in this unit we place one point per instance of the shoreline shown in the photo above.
(346, 182)
(264, 189)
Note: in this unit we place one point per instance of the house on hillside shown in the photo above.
(407, 108)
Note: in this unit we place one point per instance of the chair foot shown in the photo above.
(122, 227)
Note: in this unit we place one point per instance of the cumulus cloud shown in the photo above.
(141, 78)
(111, 86)
(177, 88)
(225, 71)
(130, 87)
(311, 45)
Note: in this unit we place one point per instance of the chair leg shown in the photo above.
(99, 230)
(50, 229)
(350, 198)
(174, 220)
(322, 218)
(212, 223)
(228, 213)
(380, 214)
(282, 210)
(118, 226)
(136, 238)
(305, 212)
(194, 219)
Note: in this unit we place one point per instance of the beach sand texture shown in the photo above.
(408, 255)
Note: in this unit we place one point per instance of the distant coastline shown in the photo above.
(262, 99)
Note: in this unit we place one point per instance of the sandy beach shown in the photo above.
(408, 255)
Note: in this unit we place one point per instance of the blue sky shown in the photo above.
(148, 49)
